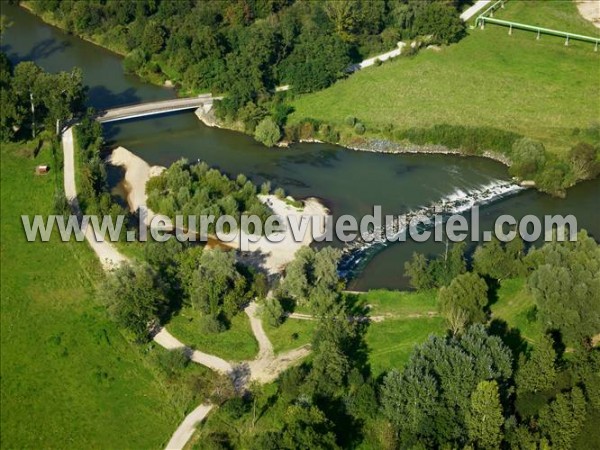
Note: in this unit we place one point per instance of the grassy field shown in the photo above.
(68, 376)
(235, 344)
(391, 342)
(540, 89)
(516, 307)
(292, 333)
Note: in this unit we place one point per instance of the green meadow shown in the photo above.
(537, 88)
(68, 375)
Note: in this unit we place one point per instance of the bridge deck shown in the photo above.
(152, 108)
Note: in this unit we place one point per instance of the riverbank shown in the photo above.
(271, 254)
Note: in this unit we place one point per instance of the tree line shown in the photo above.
(245, 48)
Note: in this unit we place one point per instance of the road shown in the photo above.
(477, 6)
(152, 108)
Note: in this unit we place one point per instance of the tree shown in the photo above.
(499, 261)
(428, 401)
(215, 276)
(418, 272)
(267, 132)
(135, 297)
(585, 160)
(468, 293)
(562, 419)
(272, 312)
(537, 372)
(566, 286)
(485, 418)
(28, 88)
(528, 158)
(307, 427)
(439, 21)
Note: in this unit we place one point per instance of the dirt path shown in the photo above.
(590, 10)
(170, 342)
(109, 256)
(267, 366)
(379, 318)
(264, 368)
(187, 428)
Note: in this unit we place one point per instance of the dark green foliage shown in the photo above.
(585, 161)
(439, 21)
(33, 99)
(196, 189)
(528, 158)
(312, 277)
(429, 400)
(267, 132)
(426, 274)
(272, 312)
(217, 288)
(499, 260)
(135, 297)
(562, 419)
(472, 140)
(485, 417)
(538, 371)
(462, 301)
(566, 286)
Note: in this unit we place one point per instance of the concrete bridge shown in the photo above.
(153, 108)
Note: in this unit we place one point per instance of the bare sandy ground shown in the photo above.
(590, 10)
(271, 256)
(137, 173)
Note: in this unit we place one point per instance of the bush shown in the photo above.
(267, 132)
(172, 362)
(350, 121)
(134, 61)
(359, 128)
(211, 325)
(265, 188)
(272, 312)
(279, 193)
(528, 158)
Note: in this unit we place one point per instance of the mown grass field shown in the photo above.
(69, 379)
(540, 89)
(234, 344)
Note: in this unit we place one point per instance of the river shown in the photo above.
(348, 182)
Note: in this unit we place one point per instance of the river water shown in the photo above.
(348, 182)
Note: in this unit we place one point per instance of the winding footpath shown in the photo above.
(263, 369)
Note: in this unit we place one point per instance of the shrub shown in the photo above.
(350, 121)
(134, 61)
(272, 312)
(528, 158)
(265, 188)
(267, 132)
(359, 128)
(210, 324)
(279, 193)
(172, 362)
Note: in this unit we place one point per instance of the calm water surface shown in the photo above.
(348, 182)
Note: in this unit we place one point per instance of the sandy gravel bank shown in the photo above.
(271, 256)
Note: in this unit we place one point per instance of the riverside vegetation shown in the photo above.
(522, 351)
(503, 108)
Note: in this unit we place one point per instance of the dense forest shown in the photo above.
(248, 47)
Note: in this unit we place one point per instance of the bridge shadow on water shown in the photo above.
(100, 97)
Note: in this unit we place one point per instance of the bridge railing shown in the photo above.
(487, 16)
